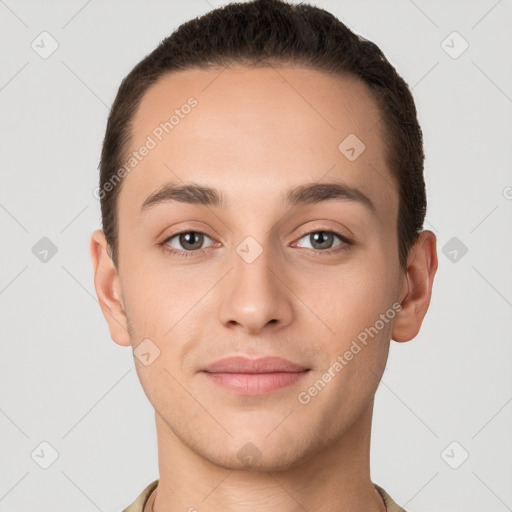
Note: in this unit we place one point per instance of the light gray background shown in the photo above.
(64, 381)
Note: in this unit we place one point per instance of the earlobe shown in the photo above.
(108, 290)
(418, 279)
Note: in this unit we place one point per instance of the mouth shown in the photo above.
(254, 376)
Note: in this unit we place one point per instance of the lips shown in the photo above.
(247, 376)
(239, 364)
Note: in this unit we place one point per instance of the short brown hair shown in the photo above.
(265, 32)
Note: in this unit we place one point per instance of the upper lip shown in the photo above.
(241, 364)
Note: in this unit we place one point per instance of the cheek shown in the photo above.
(156, 295)
(349, 298)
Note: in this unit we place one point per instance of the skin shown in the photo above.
(254, 134)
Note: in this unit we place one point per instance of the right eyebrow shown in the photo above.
(192, 193)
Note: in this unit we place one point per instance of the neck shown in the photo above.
(337, 479)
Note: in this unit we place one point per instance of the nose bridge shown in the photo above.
(255, 296)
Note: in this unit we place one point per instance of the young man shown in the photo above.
(263, 200)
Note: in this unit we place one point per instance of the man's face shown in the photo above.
(257, 276)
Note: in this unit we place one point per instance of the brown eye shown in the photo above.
(191, 240)
(187, 240)
(323, 240)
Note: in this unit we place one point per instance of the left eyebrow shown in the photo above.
(310, 193)
(317, 192)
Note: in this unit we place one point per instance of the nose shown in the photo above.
(256, 295)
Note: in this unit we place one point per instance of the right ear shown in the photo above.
(108, 289)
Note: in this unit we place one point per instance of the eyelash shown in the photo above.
(346, 244)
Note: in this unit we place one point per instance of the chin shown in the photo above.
(258, 462)
(258, 452)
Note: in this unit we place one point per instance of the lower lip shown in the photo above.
(255, 383)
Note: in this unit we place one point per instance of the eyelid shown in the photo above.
(187, 228)
(348, 238)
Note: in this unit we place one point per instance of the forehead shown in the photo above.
(251, 131)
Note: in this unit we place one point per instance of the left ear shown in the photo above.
(417, 287)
